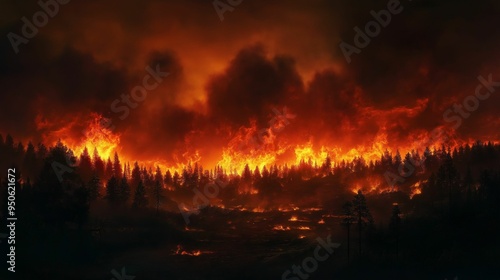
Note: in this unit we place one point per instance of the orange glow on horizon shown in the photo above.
(244, 148)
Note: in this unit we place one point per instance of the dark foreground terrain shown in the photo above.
(235, 244)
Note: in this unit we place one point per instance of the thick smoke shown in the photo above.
(225, 75)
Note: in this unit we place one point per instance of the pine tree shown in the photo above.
(362, 214)
(176, 180)
(265, 173)
(29, 162)
(124, 191)
(56, 187)
(41, 155)
(448, 180)
(158, 176)
(140, 200)
(136, 176)
(99, 166)
(85, 166)
(158, 188)
(247, 174)
(94, 187)
(157, 193)
(117, 167)
(112, 190)
(256, 174)
(19, 154)
(108, 172)
(327, 166)
(168, 179)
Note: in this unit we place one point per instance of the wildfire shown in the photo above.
(306, 153)
(355, 189)
(181, 252)
(370, 185)
(251, 147)
(258, 210)
(248, 145)
(94, 136)
(281, 228)
(100, 138)
(288, 209)
(415, 189)
(254, 191)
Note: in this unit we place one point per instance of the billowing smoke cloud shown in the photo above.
(251, 86)
(263, 56)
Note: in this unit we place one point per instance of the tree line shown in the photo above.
(447, 176)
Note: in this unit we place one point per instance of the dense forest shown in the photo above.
(447, 200)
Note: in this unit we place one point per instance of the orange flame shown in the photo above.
(100, 138)
(181, 252)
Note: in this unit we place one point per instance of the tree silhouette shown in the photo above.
(108, 172)
(327, 166)
(85, 166)
(94, 187)
(448, 179)
(256, 174)
(140, 200)
(168, 179)
(158, 188)
(99, 166)
(176, 180)
(117, 167)
(124, 191)
(362, 214)
(136, 176)
(112, 190)
(41, 155)
(347, 222)
(30, 162)
(394, 225)
(60, 196)
(247, 174)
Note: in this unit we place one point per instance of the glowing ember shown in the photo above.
(258, 210)
(288, 209)
(293, 219)
(181, 252)
(281, 228)
(312, 209)
(254, 191)
(415, 189)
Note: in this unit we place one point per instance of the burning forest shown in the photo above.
(249, 140)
